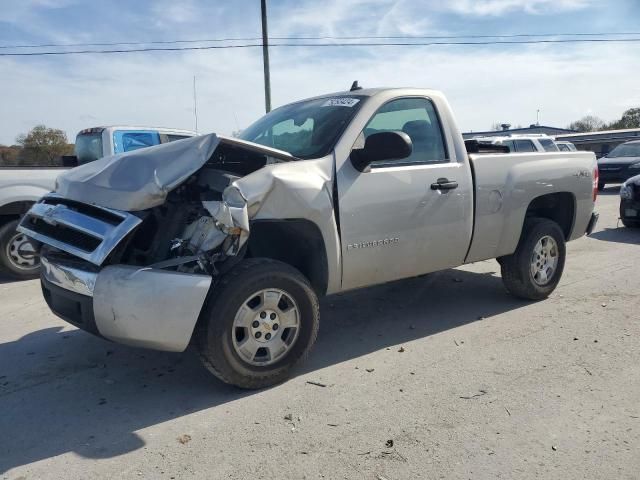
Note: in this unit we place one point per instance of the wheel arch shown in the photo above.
(14, 210)
(297, 242)
(559, 207)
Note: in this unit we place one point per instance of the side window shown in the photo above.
(170, 137)
(124, 141)
(417, 118)
(524, 146)
(509, 143)
(562, 147)
(135, 140)
(548, 145)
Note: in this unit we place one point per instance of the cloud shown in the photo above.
(502, 7)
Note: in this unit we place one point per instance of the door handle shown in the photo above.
(444, 184)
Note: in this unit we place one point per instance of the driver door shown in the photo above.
(395, 222)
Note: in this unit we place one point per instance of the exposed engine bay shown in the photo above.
(202, 224)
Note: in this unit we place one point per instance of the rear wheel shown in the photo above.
(261, 319)
(18, 256)
(630, 223)
(533, 271)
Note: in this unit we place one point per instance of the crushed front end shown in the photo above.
(140, 276)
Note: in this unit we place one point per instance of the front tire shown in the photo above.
(18, 256)
(534, 270)
(261, 319)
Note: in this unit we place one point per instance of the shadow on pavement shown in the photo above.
(66, 391)
(620, 234)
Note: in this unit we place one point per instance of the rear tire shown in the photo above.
(261, 319)
(630, 223)
(534, 270)
(18, 257)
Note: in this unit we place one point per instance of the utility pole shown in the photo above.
(265, 57)
(538, 117)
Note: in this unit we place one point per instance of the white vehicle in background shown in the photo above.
(523, 143)
(21, 187)
(565, 146)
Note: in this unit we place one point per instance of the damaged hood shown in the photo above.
(141, 179)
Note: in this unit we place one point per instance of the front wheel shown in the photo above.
(18, 256)
(262, 318)
(533, 271)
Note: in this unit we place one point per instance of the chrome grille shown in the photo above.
(86, 231)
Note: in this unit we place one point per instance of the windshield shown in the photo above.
(308, 129)
(626, 150)
(88, 147)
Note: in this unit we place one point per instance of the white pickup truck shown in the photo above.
(227, 243)
(20, 187)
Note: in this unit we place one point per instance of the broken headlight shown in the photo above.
(233, 198)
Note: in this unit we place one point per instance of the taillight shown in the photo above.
(596, 177)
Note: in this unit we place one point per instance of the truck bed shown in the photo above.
(507, 184)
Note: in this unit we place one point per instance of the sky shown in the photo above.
(484, 84)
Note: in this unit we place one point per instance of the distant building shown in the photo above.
(601, 142)
(506, 130)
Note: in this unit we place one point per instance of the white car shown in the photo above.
(523, 143)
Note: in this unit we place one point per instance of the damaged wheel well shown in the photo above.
(297, 242)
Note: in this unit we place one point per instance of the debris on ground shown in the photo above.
(401, 349)
(317, 384)
(102, 401)
(288, 416)
(370, 369)
(554, 448)
(482, 392)
(389, 443)
(183, 439)
(604, 304)
(457, 280)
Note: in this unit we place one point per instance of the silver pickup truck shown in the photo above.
(227, 243)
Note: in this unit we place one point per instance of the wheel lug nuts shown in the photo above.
(255, 324)
(272, 316)
(275, 327)
(258, 334)
(267, 336)
(263, 314)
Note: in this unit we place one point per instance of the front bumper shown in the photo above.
(630, 209)
(616, 175)
(136, 306)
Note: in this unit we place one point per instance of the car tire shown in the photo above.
(534, 270)
(12, 263)
(238, 339)
(601, 186)
(630, 223)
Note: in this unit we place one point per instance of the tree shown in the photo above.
(43, 145)
(9, 155)
(589, 123)
(630, 119)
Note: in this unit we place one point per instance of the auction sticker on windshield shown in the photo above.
(341, 102)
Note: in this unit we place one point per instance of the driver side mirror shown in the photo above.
(381, 146)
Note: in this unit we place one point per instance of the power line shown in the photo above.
(335, 44)
(326, 37)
